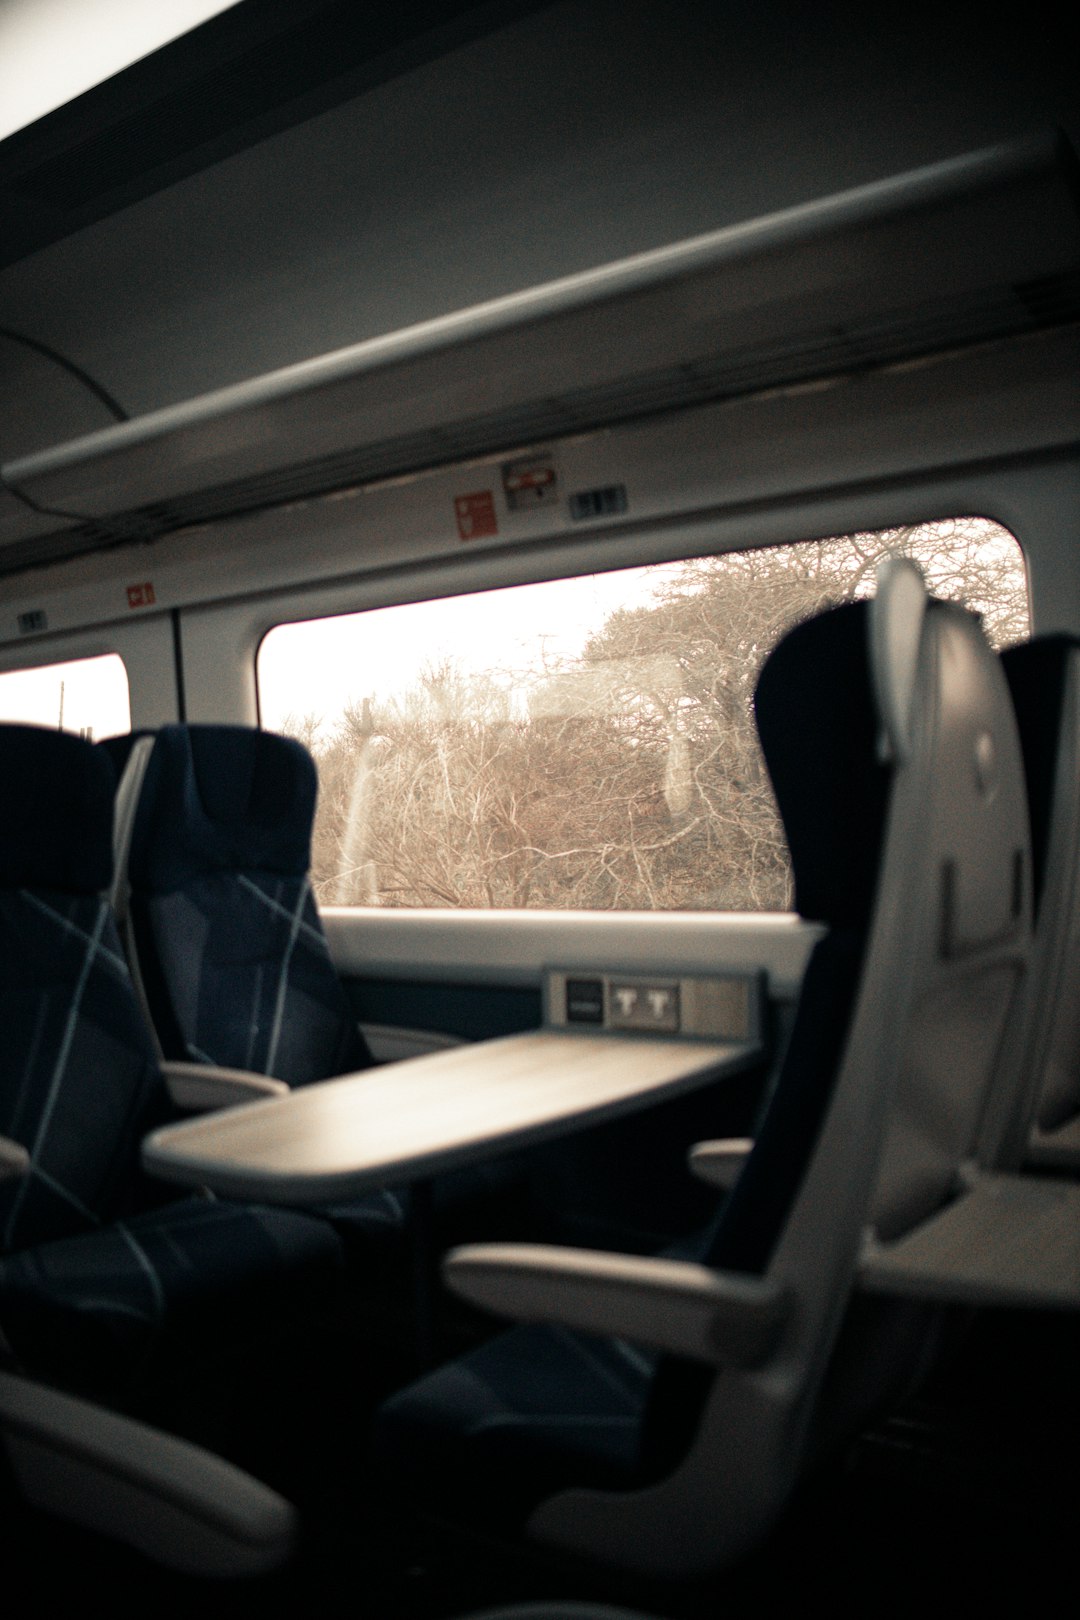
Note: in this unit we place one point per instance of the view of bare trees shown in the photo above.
(628, 776)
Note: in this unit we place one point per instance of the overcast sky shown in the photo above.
(93, 691)
(317, 668)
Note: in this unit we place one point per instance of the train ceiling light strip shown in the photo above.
(969, 250)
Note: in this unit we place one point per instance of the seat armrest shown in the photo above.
(172, 1501)
(720, 1163)
(387, 1043)
(14, 1160)
(723, 1318)
(197, 1088)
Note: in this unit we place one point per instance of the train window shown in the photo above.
(85, 695)
(580, 743)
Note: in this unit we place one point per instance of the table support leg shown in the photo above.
(424, 1272)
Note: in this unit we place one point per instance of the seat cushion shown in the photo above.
(109, 1309)
(495, 1431)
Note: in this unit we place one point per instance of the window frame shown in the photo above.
(144, 646)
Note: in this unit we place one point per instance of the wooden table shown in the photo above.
(409, 1121)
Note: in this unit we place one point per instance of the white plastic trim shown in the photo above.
(14, 1160)
(1007, 1241)
(896, 617)
(197, 1088)
(518, 947)
(723, 1318)
(180, 1505)
(388, 1043)
(720, 1163)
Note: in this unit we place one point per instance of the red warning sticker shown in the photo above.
(476, 518)
(141, 595)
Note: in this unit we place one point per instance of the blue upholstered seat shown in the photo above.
(222, 923)
(232, 955)
(672, 1466)
(540, 1406)
(105, 1276)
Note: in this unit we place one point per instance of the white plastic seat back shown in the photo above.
(1045, 1124)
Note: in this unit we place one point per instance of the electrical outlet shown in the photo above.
(644, 1004)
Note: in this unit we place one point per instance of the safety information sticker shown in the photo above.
(530, 481)
(475, 513)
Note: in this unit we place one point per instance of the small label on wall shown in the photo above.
(476, 519)
(610, 501)
(530, 481)
(140, 595)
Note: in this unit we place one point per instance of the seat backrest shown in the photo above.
(890, 739)
(1044, 679)
(79, 1086)
(231, 953)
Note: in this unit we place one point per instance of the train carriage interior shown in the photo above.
(539, 810)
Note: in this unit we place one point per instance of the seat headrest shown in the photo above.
(55, 811)
(219, 799)
(820, 729)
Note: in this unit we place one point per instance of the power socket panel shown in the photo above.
(715, 1007)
